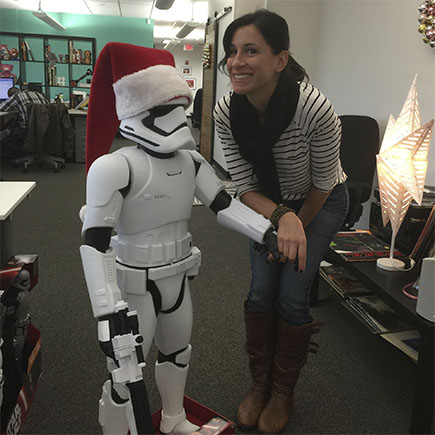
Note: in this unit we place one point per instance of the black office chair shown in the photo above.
(197, 109)
(359, 147)
(50, 137)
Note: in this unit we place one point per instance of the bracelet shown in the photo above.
(279, 211)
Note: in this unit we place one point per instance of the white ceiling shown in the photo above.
(166, 22)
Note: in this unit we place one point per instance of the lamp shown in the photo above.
(164, 4)
(401, 165)
(47, 19)
(186, 29)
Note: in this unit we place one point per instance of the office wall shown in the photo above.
(217, 6)
(103, 28)
(194, 59)
(363, 55)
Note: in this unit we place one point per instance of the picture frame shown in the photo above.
(186, 70)
(191, 83)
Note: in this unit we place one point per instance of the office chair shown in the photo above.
(49, 137)
(359, 145)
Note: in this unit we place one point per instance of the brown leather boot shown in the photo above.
(260, 343)
(292, 345)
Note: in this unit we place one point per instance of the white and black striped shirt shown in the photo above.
(19, 101)
(306, 154)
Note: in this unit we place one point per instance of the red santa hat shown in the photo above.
(127, 80)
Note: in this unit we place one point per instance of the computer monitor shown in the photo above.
(5, 84)
(35, 87)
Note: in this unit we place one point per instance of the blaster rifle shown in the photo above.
(124, 347)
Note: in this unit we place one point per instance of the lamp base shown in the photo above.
(391, 264)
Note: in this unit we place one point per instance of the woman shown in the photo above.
(281, 139)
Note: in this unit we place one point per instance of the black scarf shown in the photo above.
(256, 140)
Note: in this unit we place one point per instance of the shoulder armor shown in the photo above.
(196, 156)
(207, 183)
(108, 174)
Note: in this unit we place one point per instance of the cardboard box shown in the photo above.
(31, 264)
(15, 409)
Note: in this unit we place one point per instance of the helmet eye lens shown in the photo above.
(160, 112)
(157, 112)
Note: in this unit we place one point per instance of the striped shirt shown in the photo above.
(307, 153)
(19, 101)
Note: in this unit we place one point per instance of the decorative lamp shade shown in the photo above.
(401, 165)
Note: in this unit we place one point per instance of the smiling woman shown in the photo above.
(253, 67)
(281, 140)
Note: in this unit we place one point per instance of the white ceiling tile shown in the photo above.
(100, 8)
(182, 11)
(135, 11)
(147, 3)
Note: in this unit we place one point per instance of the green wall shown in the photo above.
(103, 28)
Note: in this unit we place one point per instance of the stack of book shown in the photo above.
(361, 246)
(375, 314)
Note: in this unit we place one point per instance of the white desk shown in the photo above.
(77, 112)
(11, 194)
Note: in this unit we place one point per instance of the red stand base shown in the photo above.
(210, 422)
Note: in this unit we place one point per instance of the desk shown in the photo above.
(12, 193)
(388, 287)
(79, 123)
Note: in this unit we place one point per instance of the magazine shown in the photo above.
(342, 281)
(375, 314)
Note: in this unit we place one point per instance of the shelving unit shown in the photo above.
(34, 64)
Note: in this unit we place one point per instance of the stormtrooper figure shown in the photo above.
(144, 192)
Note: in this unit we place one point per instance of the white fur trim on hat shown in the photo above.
(147, 88)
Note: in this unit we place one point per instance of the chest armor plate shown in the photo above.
(161, 191)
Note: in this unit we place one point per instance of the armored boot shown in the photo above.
(171, 382)
(260, 342)
(292, 345)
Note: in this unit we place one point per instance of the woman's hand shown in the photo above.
(292, 242)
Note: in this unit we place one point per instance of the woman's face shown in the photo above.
(252, 66)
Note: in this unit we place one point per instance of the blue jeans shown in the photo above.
(277, 286)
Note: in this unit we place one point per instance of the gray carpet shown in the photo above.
(356, 384)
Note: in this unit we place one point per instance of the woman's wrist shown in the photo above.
(278, 213)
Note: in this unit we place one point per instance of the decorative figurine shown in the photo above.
(4, 52)
(76, 58)
(6, 70)
(87, 57)
(50, 56)
(13, 53)
(145, 193)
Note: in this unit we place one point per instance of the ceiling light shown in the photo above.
(47, 19)
(171, 44)
(186, 29)
(164, 4)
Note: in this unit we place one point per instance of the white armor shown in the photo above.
(147, 199)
